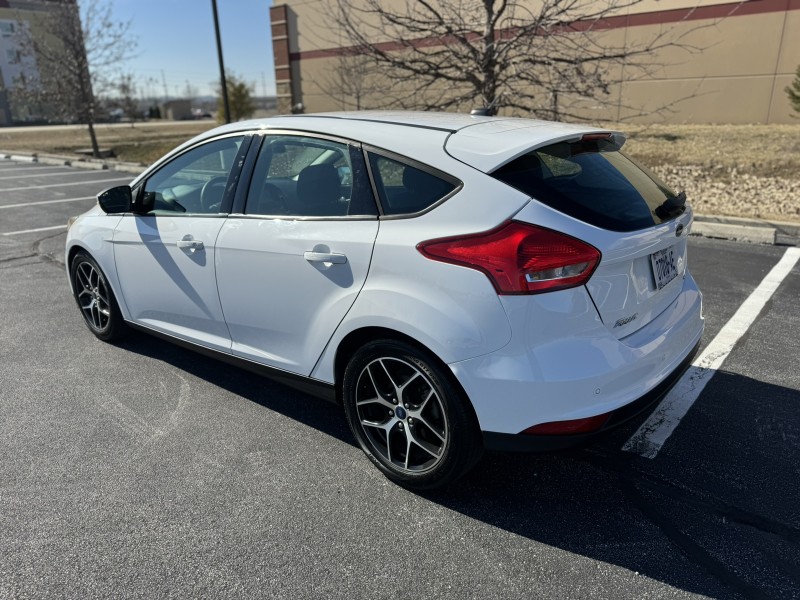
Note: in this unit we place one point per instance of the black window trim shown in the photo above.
(369, 149)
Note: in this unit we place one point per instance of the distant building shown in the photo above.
(752, 49)
(176, 110)
(19, 18)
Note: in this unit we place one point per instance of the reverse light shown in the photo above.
(519, 258)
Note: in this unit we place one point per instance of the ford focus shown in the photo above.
(457, 283)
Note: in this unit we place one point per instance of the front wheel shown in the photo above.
(407, 416)
(95, 299)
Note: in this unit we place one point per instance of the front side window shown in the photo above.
(404, 189)
(195, 182)
(303, 176)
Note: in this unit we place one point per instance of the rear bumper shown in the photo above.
(517, 442)
(563, 363)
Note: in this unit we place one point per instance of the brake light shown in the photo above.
(519, 258)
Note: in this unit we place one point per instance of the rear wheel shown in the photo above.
(95, 299)
(407, 416)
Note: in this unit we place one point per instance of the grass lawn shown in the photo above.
(141, 143)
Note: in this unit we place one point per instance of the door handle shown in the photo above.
(325, 257)
(189, 242)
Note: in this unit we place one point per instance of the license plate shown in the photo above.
(665, 267)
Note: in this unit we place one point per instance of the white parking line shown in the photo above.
(53, 228)
(50, 185)
(24, 204)
(650, 437)
(31, 174)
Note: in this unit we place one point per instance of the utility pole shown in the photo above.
(225, 104)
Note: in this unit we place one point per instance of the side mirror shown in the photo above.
(115, 200)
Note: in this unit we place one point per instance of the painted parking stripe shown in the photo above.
(53, 228)
(52, 185)
(651, 436)
(24, 204)
(32, 174)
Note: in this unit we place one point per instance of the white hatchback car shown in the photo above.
(456, 282)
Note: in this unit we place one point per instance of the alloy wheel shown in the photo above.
(93, 297)
(401, 414)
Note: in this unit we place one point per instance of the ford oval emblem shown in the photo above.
(679, 230)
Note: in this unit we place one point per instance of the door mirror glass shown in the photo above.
(115, 200)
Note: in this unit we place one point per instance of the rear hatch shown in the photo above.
(636, 222)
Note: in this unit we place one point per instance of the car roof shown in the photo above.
(485, 143)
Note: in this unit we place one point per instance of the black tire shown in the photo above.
(408, 417)
(95, 299)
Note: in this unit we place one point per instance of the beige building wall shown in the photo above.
(14, 61)
(748, 53)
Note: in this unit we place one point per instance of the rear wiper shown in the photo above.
(671, 207)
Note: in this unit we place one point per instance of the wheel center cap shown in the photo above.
(400, 412)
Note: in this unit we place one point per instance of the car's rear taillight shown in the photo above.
(519, 258)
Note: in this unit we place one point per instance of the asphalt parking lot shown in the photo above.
(145, 470)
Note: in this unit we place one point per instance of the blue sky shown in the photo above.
(177, 37)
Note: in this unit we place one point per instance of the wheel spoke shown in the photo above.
(430, 428)
(424, 445)
(377, 425)
(380, 401)
(408, 447)
(83, 279)
(391, 380)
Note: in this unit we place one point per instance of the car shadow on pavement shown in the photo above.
(323, 416)
(713, 514)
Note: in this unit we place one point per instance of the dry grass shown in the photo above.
(142, 143)
(758, 150)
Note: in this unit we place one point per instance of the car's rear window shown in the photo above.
(592, 181)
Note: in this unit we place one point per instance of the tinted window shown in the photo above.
(309, 177)
(404, 189)
(591, 181)
(195, 182)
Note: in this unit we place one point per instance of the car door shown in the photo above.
(291, 264)
(165, 252)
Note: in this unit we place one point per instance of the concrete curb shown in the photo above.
(73, 161)
(753, 231)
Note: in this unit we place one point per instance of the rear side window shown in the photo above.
(592, 181)
(302, 176)
(404, 189)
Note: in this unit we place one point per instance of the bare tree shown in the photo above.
(77, 50)
(126, 87)
(352, 82)
(549, 58)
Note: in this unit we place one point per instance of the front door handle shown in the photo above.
(188, 242)
(325, 257)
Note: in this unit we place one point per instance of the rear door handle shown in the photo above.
(188, 242)
(325, 257)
